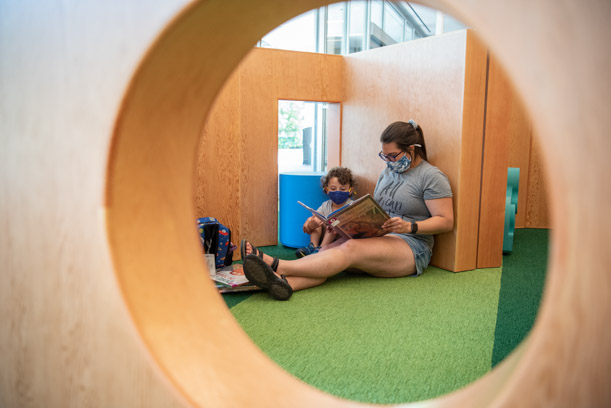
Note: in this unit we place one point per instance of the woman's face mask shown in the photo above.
(339, 197)
(401, 165)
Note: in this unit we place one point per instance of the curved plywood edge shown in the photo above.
(188, 376)
(66, 337)
(568, 357)
(68, 330)
(181, 317)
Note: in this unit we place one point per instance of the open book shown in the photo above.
(363, 218)
(231, 279)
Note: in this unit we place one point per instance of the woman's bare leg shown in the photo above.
(299, 282)
(333, 244)
(387, 256)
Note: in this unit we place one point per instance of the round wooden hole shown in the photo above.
(183, 321)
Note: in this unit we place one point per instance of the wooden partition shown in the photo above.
(237, 171)
(534, 212)
(508, 142)
(439, 82)
(445, 83)
(525, 154)
(500, 99)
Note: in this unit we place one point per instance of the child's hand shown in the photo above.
(311, 224)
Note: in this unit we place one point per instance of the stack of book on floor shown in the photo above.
(231, 279)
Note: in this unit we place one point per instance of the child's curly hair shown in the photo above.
(343, 174)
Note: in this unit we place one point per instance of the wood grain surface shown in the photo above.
(494, 168)
(241, 135)
(440, 83)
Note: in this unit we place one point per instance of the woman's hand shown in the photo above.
(331, 231)
(398, 225)
(311, 224)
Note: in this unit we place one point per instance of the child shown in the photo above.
(338, 185)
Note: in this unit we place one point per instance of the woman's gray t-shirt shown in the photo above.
(403, 195)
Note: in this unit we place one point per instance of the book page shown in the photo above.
(361, 219)
(232, 275)
(314, 212)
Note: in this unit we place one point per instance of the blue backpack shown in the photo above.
(216, 239)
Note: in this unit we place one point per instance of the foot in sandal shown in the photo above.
(255, 251)
(264, 276)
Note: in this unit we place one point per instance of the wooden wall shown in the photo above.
(440, 83)
(508, 142)
(240, 137)
(524, 153)
(445, 83)
(499, 100)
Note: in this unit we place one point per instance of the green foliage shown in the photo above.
(289, 125)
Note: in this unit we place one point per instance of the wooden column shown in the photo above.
(499, 102)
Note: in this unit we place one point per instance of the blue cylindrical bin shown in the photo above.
(298, 186)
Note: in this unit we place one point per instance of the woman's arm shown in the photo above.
(442, 219)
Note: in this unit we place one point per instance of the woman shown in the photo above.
(416, 195)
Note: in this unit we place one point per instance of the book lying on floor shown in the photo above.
(231, 279)
(363, 218)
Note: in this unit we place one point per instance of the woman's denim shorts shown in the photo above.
(422, 251)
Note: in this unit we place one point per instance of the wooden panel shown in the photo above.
(302, 75)
(519, 153)
(523, 154)
(467, 199)
(533, 211)
(66, 327)
(263, 77)
(537, 212)
(422, 80)
(499, 103)
(258, 164)
(217, 192)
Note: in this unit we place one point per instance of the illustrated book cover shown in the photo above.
(231, 279)
(363, 218)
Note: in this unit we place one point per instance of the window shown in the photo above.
(356, 29)
(304, 133)
(451, 24)
(393, 23)
(359, 25)
(424, 20)
(298, 34)
(336, 14)
(377, 12)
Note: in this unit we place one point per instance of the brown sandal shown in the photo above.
(262, 275)
(255, 251)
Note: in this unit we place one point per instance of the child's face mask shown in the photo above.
(339, 197)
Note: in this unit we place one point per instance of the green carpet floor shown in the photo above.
(400, 340)
(521, 288)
